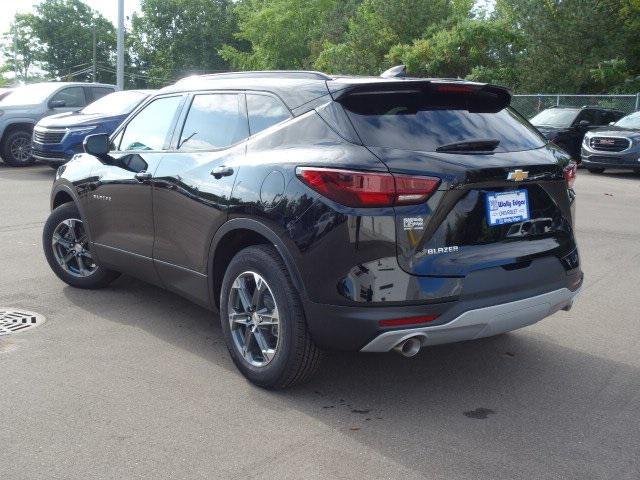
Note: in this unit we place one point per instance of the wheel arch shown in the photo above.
(235, 235)
(16, 125)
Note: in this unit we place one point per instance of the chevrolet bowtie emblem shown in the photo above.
(517, 175)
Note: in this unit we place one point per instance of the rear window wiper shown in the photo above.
(478, 145)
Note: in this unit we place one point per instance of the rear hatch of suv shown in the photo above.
(502, 199)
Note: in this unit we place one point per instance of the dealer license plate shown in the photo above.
(507, 207)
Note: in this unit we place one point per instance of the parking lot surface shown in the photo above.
(135, 382)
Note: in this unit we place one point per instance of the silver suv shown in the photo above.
(615, 146)
(21, 110)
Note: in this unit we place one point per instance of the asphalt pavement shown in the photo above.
(134, 382)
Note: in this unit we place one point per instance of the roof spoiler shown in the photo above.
(494, 97)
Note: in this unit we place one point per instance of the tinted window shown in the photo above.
(149, 129)
(72, 97)
(264, 111)
(414, 121)
(607, 117)
(590, 116)
(99, 92)
(214, 121)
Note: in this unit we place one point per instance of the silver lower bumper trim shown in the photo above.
(482, 322)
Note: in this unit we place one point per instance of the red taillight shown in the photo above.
(367, 189)
(570, 172)
(398, 322)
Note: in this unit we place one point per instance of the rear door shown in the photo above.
(502, 197)
(121, 209)
(192, 187)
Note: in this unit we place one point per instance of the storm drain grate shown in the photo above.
(14, 321)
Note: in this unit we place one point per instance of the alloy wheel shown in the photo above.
(70, 245)
(21, 149)
(254, 319)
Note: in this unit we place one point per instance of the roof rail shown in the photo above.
(301, 74)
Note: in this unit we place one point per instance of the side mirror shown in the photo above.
(57, 104)
(612, 123)
(96, 145)
(584, 123)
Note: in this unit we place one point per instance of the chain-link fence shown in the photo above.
(529, 105)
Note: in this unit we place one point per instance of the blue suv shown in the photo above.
(57, 138)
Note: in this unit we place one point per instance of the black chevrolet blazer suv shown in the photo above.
(319, 212)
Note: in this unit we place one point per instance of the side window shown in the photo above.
(588, 115)
(607, 117)
(99, 92)
(72, 97)
(264, 111)
(214, 121)
(150, 128)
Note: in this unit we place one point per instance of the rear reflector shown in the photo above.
(368, 189)
(398, 322)
(570, 172)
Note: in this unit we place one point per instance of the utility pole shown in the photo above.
(120, 57)
(15, 52)
(93, 71)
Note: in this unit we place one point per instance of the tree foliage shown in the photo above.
(64, 31)
(576, 46)
(174, 38)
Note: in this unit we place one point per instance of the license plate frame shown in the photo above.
(504, 208)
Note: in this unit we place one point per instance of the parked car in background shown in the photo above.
(59, 137)
(319, 212)
(4, 92)
(566, 126)
(615, 146)
(25, 106)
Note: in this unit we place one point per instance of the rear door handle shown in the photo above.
(221, 171)
(143, 176)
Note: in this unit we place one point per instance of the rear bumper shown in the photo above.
(481, 322)
(515, 298)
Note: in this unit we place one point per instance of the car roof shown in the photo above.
(299, 87)
(73, 84)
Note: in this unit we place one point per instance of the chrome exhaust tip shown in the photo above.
(409, 347)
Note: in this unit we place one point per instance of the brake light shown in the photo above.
(455, 89)
(368, 189)
(570, 172)
(398, 322)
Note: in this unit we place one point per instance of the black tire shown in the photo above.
(15, 142)
(296, 357)
(596, 170)
(100, 277)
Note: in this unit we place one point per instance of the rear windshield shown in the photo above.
(425, 122)
(555, 117)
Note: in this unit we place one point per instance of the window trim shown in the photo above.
(166, 146)
(175, 141)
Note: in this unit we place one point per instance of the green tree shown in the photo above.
(175, 38)
(378, 25)
(565, 41)
(64, 28)
(21, 49)
(281, 34)
(478, 49)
